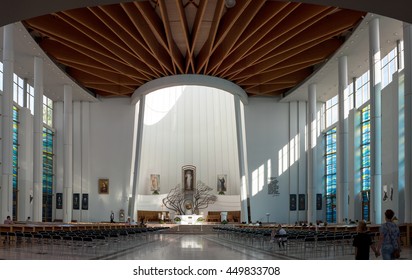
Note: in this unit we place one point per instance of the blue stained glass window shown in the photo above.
(330, 178)
(365, 161)
(15, 159)
(47, 174)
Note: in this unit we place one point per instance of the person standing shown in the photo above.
(112, 217)
(280, 235)
(8, 221)
(363, 243)
(389, 237)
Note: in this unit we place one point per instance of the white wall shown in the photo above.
(276, 147)
(189, 125)
(390, 146)
(111, 134)
(267, 134)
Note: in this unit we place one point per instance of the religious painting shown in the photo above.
(188, 177)
(76, 201)
(85, 201)
(59, 201)
(103, 186)
(292, 202)
(318, 201)
(273, 186)
(155, 183)
(221, 183)
(302, 202)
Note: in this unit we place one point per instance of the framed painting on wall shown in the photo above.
(302, 202)
(155, 183)
(76, 201)
(318, 201)
(103, 186)
(221, 183)
(188, 177)
(59, 201)
(85, 201)
(292, 202)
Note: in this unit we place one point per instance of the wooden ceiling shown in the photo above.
(265, 47)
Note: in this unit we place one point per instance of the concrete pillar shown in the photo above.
(342, 143)
(6, 208)
(376, 120)
(407, 36)
(68, 154)
(25, 202)
(312, 166)
(243, 170)
(38, 140)
(139, 139)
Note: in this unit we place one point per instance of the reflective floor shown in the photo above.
(172, 246)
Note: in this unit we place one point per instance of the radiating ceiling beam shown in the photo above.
(233, 35)
(196, 29)
(145, 29)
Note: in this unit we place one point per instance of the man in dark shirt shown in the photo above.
(363, 242)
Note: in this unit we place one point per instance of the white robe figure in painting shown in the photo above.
(188, 180)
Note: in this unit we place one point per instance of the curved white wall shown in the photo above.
(189, 125)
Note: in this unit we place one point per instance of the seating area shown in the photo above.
(87, 243)
(301, 243)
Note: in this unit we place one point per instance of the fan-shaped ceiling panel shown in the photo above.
(266, 47)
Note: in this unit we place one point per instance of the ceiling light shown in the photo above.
(230, 3)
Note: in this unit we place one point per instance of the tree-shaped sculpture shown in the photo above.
(201, 197)
(175, 199)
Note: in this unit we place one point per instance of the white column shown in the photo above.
(342, 143)
(85, 144)
(25, 204)
(136, 176)
(38, 140)
(58, 149)
(312, 166)
(407, 36)
(376, 120)
(7, 124)
(68, 156)
(243, 170)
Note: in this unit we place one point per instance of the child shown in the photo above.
(363, 242)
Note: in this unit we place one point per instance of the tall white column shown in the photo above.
(342, 143)
(25, 203)
(85, 150)
(312, 166)
(243, 171)
(6, 207)
(139, 140)
(407, 36)
(38, 140)
(376, 120)
(68, 154)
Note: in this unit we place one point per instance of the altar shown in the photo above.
(189, 219)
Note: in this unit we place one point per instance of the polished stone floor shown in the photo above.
(179, 246)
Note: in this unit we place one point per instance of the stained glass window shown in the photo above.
(15, 163)
(330, 178)
(47, 174)
(365, 162)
